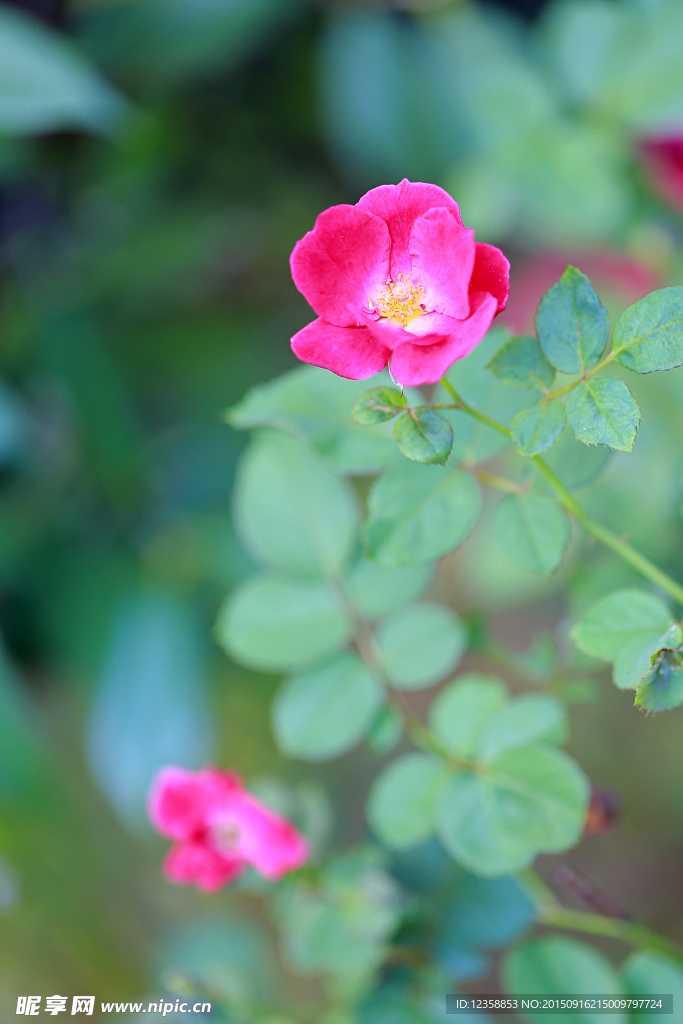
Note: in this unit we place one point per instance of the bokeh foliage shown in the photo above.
(157, 162)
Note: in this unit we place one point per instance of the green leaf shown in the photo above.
(635, 658)
(533, 530)
(520, 363)
(291, 511)
(314, 406)
(604, 412)
(403, 799)
(536, 429)
(649, 974)
(649, 335)
(533, 718)
(420, 645)
(661, 689)
(531, 800)
(576, 464)
(341, 923)
(376, 590)
(460, 712)
(572, 323)
(377, 405)
(419, 513)
(47, 85)
(622, 616)
(558, 965)
(272, 622)
(424, 436)
(386, 730)
(327, 710)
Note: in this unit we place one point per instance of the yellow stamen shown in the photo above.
(400, 301)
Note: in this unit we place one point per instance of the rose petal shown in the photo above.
(400, 205)
(351, 352)
(442, 251)
(491, 273)
(341, 263)
(421, 330)
(266, 841)
(180, 801)
(200, 864)
(413, 364)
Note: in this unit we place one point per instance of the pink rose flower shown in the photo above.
(663, 158)
(219, 828)
(396, 278)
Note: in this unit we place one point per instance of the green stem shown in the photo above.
(620, 547)
(553, 914)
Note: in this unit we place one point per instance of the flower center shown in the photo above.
(226, 836)
(399, 300)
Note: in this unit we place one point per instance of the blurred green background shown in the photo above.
(158, 160)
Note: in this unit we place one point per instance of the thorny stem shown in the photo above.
(552, 913)
(601, 533)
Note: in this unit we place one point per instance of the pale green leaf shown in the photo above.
(460, 712)
(273, 622)
(420, 645)
(531, 800)
(533, 530)
(419, 513)
(604, 412)
(403, 798)
(520, 363)
(327, 710)
(649, 335)
(291, 511)
(536, 429)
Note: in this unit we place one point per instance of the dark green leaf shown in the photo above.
(649, 335)
(521, 364)
(377, 405)
(327, 710)
(533, 530)
(424, 436)
(419, 513)
(604, 412)
(572, 323)
(535, 429)
(661, 689)
(47, 85)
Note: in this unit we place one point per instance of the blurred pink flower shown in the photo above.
(618, 278)
(663, 158)
(398, 278)
(219, 829)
